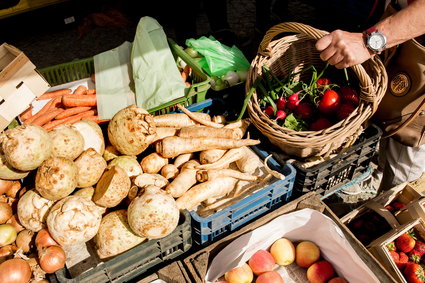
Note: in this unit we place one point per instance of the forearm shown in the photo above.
(404, 25)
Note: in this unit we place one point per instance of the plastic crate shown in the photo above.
(84, 68)
(137, 260)
(209, 229)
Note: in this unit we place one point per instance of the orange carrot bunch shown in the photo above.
(64, 107)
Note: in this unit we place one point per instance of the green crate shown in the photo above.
(136, 261)
(84, 68)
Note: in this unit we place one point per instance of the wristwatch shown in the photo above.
(375, 40)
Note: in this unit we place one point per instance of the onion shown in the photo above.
(7, 250)
(5, 185)
(15, 270)
(52, 259)
(24, 240)
(14, 189)
(44, 239)
(231, 77)
(7, 235)
(5, 212)
(15, 223)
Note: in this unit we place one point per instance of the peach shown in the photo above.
(269, 277)
(337, 280)
(240, 274)
(306, 253)
(261, 261)
(320, 272)
(283, 251)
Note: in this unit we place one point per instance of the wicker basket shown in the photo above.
(293, 53)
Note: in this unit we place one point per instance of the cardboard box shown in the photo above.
(20, 83)
(379, 247)
(198, 262)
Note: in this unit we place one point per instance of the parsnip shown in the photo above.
(179, 120)
(169, 171)
(153, 163)
(249, 161)
(196, 119)
(183, 181)
(239, 127)
(230, 156)
(208, 132)
(208, 175)
(182, 159)
(170, 147)
(162, 132)
(211, 155)
(146, 179)
(204, 191)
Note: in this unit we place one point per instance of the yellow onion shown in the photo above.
(44, 239)
(15, 270)
(7, 235)
(5, 212)
(52, 259)
(24, 240)
(5, 185)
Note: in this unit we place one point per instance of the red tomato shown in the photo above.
(329, 103)
(323, 81)
(320, 124)
(344, 111)
(305, 110)
(349, 95)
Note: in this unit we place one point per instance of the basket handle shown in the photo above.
(367, 94)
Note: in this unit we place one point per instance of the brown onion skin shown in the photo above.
(15, 223)
(5, 185)
(5, 212)
(15, 270)
(24, 240)
(43, 239)
(52, 259)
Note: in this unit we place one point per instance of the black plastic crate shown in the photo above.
(329, 175)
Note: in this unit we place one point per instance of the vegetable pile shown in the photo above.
(115, 187)
(302, 105)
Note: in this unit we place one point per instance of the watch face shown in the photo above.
(377, 41)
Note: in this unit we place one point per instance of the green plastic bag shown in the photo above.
(218, 59)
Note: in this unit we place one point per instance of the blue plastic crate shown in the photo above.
(209, 229)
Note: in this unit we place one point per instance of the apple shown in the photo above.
(269, 277)
(320, 272)
(261, 261)
(306, 253)
(337, 280)
(240, 274)
(283, 251)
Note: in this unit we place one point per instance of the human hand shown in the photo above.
(343, 49)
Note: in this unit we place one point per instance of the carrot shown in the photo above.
(96, 119)
(80, 90)
(53, 94)
(43, 110)
(91, 91)
(47, 117)
(72, 111)
(170, 147)
(26, 114)
(206, 190)
(186, 72)
(79, 100)
(71, 120)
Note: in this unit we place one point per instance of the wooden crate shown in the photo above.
(20, 83)
(197, 263)
(379, 247)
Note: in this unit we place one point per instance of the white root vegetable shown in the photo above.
(73, 220)
(112, 187)
(249, 161)
(182, 159)
(179, 120)
(211, 155)
(66, 141)
(208, 132)
(92, 135)
(56, 178)
(208, 175)
(146, 179)
(91, 166)
(127, 162)
(131, 130)
(203, 191)
(115, 235)
(196, 119)
(184, 181)
(110, 152)
(32, 210)
(25, 147)
(239, 127)
(169, 171)
(162, 132)
(230, 156)
(153, 163)
(171, 147)
(85, 193)
(154, 214)
(7, 172)
(220, 119)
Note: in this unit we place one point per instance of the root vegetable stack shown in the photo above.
(132, 184)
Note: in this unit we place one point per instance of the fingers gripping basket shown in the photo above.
(292, 53)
